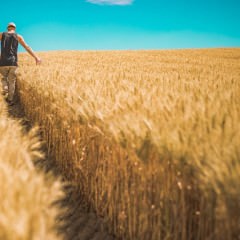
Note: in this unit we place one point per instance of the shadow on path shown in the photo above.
(77, 221)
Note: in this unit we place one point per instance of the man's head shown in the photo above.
(11, 26)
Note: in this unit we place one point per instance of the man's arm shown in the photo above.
(0, 36)
(28, 49)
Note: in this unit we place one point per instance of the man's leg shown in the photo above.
(12, 77)
(4, 72)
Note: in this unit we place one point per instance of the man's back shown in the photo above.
(9, 48)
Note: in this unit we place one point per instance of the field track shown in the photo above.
(77, 222)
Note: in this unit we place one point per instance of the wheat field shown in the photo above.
(151, 137)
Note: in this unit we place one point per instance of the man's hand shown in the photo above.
(38, 61)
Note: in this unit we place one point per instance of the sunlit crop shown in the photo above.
(151, 137)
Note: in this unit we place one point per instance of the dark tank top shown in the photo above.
(9, 48)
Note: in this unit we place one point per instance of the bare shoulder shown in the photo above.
(21, 41)
(20, 37)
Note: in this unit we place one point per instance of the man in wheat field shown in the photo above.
(9, 60)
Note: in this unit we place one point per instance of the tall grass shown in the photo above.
(152, 137)
(26, 195)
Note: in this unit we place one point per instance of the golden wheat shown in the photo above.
(151, 136)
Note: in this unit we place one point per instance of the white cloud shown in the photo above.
(111, 2)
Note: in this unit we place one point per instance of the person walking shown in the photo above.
(9, 60)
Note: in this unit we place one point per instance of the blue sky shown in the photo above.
(124, 24)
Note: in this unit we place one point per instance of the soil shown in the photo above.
(77, 220)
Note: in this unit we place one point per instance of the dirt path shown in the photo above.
(78, 221)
